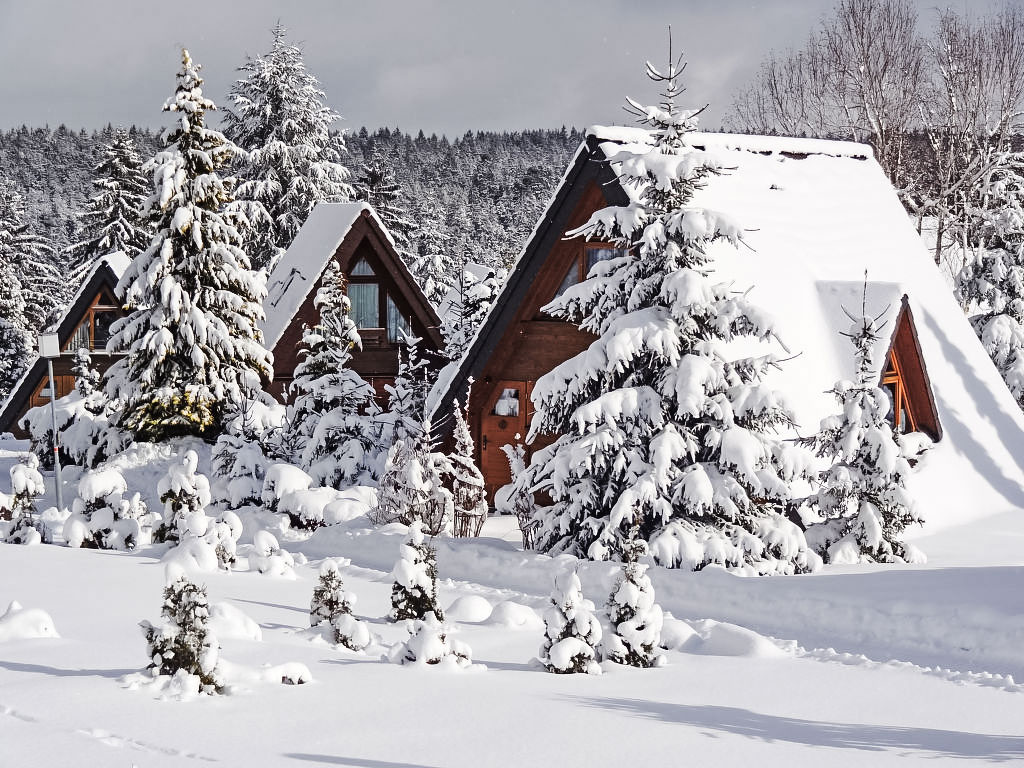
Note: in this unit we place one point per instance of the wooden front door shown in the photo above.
(504, 422)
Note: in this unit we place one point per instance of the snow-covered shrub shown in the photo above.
(414, 592)
(634, 616)
(863, 497)
(26, 487)
(469, 497)
(86, 436)
(104, 516)
(282, 479)
(268, 558)
(571, 631)
(331, 604)
(239, 459)
(311, 508)
(666, 417)
(184, 642)
(517, 499)
(429, 643)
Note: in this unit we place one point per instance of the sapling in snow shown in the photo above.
(517, 499)
(414, 592)
(332, 604)
(184, 643)
(429, 643)
(635, 618)
(863, 495)
(26, 486)
(104, 515)
(571, 631)
(470, 505)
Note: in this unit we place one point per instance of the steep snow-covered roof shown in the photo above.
(817, 215)
(295, 274)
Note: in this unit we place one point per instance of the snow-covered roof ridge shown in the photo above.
(295, 274)
(772, 145)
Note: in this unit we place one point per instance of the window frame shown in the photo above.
(580, 264)
(893, 377)
(384, 296)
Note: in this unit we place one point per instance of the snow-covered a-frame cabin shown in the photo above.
(386, 300)
(85, 323)
(817, 215)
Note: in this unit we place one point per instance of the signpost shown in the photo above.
(49, 348)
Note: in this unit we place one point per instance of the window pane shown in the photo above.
(571, 278)
(365, 304)
(601, 253)
(508, 403)
(361, 268)
(396, 323)
(81, 338)
(101, 329)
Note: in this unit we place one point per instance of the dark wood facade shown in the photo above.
(377, 361)
(85, 323)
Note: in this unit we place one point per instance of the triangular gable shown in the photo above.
(906, 377)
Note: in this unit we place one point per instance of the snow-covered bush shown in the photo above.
(86, 436)
(662, 420)
(863, 496)
(268, 558)
(282, 479)
(571, 631)
(429, 643)
(414, 592)
(26, 487)
(634, 616)
(469, 497)
(516, 499)
(104, 516)
(331, 604)
(184, 643)
(239, 460)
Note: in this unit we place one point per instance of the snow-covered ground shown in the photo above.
(852, 666)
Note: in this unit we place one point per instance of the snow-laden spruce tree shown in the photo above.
(293, 163)
(239, 459)
(467, 483)
(475, 292)
(863, 495)
(184, 644)
(87, 378)
(572, 633)
(991, 283)
(112, 220)
(661, 425)
(104, 515)
(192, 344)
(432, 263)
(332, 604)
(26, 486)
(414, 591)
(635, 618)
(330, 416)
(27, 266)
(15, 338)
(378, 186)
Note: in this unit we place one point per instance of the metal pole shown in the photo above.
(56, 443)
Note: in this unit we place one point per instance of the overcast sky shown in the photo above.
(441, 65)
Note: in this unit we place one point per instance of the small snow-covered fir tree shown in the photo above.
(414, 592)
(112, 220)
(332, 408)
(991, 283)
(661, 424)
(192, 343)
(475, 292)
(26, 486)
(467, 482)
(432, 263)
(378, 186)
(104, 515)
(184, 643)
(572, 633)
(863, 495)
(280, 118)
(430, 644)
(183, 492)
(87, 378)
(239, 458)
(332, 604)
(635, 618)
(516, 499)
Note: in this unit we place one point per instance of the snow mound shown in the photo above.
(227, 621)
(515, 615)
(19, 623)
(470, 609)
(677, 634)
(268, 558)
(723, 639)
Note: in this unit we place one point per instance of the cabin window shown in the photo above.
(94, 330)
(398, 326)
(362, 269)
(900, 417)
(507, 404)
(365, 298)
(580, 268)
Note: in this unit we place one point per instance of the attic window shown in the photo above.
(900, 418)
(581, 266)
(906, 381)
(362, 269)
(94, 330)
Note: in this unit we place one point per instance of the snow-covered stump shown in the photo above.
(635, 618)
(414, 592)
(104, 516)
(571, 631)
(26, 486)
(332, 604)
(184, 645)
(429, 644)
